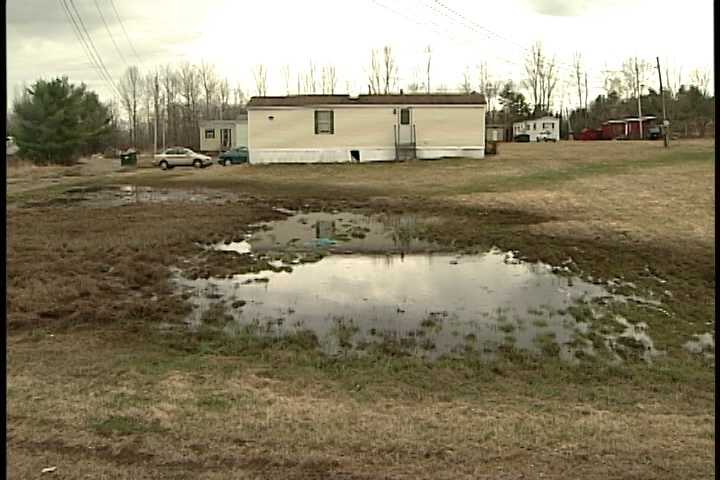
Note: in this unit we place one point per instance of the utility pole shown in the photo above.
(662, 96)
(637, 82)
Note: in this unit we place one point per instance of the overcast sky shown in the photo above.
(236, 35)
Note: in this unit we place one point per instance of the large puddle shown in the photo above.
(336, 233)
(121, 195)
(415, 298)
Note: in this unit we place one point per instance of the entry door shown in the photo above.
(225, 138)
(405, 126)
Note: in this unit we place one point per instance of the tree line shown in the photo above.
(178, 97)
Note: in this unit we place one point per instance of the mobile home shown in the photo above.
(547, 126)
(365, 128)
(223, 135)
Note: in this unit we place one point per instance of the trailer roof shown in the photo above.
(401, 99)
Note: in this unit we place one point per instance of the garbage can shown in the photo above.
(491, 147)
(128, 159)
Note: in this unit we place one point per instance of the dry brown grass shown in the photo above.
(94, 389)
(212, 417)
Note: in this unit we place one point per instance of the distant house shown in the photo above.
(223, 135)
(547, 126)
(365, 128)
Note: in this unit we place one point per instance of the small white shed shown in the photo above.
(223, 135)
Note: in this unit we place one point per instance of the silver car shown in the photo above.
(181, 156)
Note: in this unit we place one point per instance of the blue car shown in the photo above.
(234, 156)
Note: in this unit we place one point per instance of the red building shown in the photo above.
(632, 127)
(590, 134)
(613, 129)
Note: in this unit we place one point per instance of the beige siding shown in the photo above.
(449, 126)
(295, 128)
(362, 127)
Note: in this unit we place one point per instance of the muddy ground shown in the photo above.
(104, 381)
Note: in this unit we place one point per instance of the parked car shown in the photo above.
(654, 133)
(234, 156)
(545, 136)
(181, 156)
(522, 137)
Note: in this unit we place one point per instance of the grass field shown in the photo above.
(99, 390)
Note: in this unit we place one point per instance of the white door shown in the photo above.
(226, 138)
(405, 126)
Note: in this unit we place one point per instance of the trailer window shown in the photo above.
(324, 121)
(210, 133)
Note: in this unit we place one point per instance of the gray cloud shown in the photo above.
(559, 8)
(574, 8)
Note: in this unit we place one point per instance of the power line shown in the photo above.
(110, 33)
(117, 15)
(563, 69)
(441, 30)
(92, 46)
(466, 21)
(88, 52)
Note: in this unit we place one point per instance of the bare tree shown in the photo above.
(549, 81)
(328, 79)
(492, 90)
(416, 85)
(613, 82)
(541, 78)
(577, 76)
(466, 85)
(375, 74)
(487, 86)
(673, 80)
(157, 105)
(260, 76)
(208, 81)
(130, 91)
(483, 78)
(224, 95)
(390, 70)
(300, 83)
(310, 80)
(427, 69)
(147, 101)
(533, 69)
(170, 90)
(190, 92)
(238, 96)
(286, 76)
(634, 75)
(701, 79)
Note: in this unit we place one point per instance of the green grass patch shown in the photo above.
(124, 425)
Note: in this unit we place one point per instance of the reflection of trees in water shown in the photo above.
(324, 229)
(404, 230)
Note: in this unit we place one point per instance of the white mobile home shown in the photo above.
(366, 128)
(222, 135)
(547, 126)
